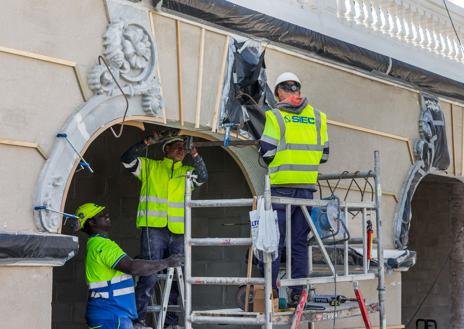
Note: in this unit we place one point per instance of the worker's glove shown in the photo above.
(175, 260)
(193, 151)
(155, 138)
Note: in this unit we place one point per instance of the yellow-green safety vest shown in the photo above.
(162, 194)
(300, 140)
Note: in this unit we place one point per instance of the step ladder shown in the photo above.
(164, 306)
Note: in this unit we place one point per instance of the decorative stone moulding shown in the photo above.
(130, 54)
(431, 153)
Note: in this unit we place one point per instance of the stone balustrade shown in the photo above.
(419, 23)
(417, 32)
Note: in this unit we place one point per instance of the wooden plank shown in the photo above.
(453, 136)
(179, 72)
(158, 72)
(39, 57)
(217, 107)
(24, 144)
(200, 78)
(462, 144)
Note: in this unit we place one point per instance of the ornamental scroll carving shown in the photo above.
(431, 153)
(130, 54)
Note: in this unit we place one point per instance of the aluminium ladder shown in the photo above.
(284, 318)
(163, 308)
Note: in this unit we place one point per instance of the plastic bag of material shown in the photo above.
(264, 230)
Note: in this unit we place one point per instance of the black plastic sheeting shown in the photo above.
(247, 92)
(49, 249)
(248, 21)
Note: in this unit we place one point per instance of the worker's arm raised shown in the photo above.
(130, 158)
(200, 167)
(142, 267)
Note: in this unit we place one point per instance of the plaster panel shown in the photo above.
(352, 151)
(40, 97)
(349, 98)
(71, 30)
(190, 41)
(26, 297)
(19, 169)
(165, 34)
(214, 49)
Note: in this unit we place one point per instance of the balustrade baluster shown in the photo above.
(377, 9)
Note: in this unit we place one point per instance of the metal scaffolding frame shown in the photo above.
(268, 318)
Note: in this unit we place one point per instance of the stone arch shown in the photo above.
(83, 127)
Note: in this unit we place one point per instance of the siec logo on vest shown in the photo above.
(299, 119)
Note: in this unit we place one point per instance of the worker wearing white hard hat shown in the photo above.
(160, 214)
(287, 79)
(293, 144)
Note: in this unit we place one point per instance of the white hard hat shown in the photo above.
(171, 140)
(286, 76)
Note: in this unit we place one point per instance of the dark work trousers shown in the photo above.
(300, 231)
(155, 244)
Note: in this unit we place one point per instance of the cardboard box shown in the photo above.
(258, 300)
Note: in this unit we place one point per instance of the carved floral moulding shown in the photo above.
(130, 54)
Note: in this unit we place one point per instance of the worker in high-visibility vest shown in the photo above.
(293, 144)
(160, 213)
(109, 270)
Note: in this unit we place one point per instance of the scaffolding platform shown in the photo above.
(345, 310)
(337, 268)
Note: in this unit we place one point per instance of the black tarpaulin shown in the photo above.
(246, 93)
(248, 21)
(52, 249)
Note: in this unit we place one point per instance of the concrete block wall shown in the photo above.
(114, 187)
(430, 236)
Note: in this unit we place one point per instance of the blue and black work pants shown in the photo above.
(157, 243)
(299, 235)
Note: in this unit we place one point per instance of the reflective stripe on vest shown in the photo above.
(162, 194)
(123, 291)
(107, 286)
(116, 279)
(99, 294)
(300, 146)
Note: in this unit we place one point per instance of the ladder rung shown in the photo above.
(326, 279)
(229, 281)
(220, 203)
(226, 320)
(221, 242)
(157, 308)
